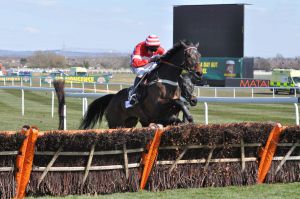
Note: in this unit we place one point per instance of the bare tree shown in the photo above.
(43, 59)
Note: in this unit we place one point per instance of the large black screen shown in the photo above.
(218, 28)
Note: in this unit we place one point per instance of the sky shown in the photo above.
(272, 27)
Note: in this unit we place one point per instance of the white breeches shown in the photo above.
(145, 69)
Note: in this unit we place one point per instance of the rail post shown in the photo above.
(83, 87)
(216, 92)
(52, 105)
(65, 117)
(22, 101)
(297, 113)
(206, 112)
(86, 105)
(83, 106)
(233, 92)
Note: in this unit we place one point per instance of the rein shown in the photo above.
(175, 66)
(170, 64)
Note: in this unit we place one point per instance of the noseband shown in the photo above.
(192, 47)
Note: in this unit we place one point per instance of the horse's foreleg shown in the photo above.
(185, 110)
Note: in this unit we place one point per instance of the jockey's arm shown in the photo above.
(137, 61)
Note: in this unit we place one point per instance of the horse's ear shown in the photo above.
(197, 44)
(182, 43)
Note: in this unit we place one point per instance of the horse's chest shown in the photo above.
(169, 92)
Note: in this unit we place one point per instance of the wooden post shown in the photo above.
(49, 165)
(209, 158)
(125, 161)
(243, 155)
(286, 157)
(177, 160)
(87, 168)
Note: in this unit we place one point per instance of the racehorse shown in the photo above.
(160, 97)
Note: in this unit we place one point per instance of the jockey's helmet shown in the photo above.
(152, 42)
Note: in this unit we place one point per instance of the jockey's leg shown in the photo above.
(132, 93)
(141, 71)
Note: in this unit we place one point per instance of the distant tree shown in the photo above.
(262, 64)
(46, 59)
(86, 64)
(23, 61)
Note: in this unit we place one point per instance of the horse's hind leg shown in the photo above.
(122, 122)
(173, 120)
(131, 122)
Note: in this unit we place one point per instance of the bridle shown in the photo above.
(183, 65)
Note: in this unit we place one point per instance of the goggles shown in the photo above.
(152, 48)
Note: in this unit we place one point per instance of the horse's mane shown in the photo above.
(177, 46)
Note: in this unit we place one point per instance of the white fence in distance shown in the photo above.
(79, 93)
(205, 100)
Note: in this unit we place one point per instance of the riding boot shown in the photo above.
(132, 94)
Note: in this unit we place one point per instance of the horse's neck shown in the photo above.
(168, 72)
(172, 70)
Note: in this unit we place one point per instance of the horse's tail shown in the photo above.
(95, 112)
(60, 93)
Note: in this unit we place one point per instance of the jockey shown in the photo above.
(143, 59)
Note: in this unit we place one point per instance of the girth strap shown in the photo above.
(164, 81)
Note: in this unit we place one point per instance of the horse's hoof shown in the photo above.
(190, 119)
(155, 126)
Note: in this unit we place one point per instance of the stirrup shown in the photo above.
(133, 99)
(130, 103)
(127, 104)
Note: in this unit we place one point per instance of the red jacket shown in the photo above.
(140, 56)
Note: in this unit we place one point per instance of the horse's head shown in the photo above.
(191, 57)
(183, 56)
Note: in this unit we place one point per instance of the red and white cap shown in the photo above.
(152, 40)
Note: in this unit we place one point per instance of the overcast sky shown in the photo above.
(271, 26)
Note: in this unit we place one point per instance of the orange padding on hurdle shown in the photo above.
(268, 152)
(24, 161)
(149, 158)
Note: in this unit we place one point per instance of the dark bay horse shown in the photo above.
(160, 101)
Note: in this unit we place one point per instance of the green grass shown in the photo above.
(38, 108)
(265, 191)
(38, 112)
